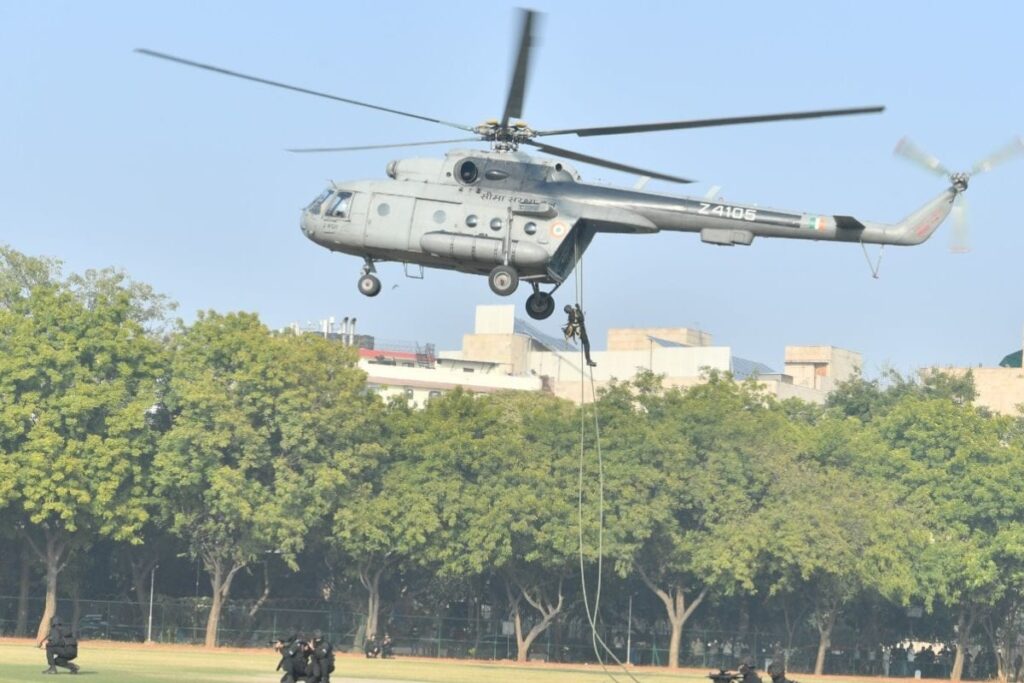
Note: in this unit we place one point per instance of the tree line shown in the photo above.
(236, 446)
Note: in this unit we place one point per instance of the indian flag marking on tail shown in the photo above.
(814, 222)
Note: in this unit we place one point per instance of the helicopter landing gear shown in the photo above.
(503, 280)
(540, 305)
(369, 285)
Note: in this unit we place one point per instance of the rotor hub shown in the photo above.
(960, 181)
(504, 138)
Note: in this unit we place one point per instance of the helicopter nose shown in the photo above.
(308, 224)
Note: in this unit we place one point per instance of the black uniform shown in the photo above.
(294, 659)
(61, 648)
(322, 662)
(387, 647)
(749, 674)
(576, 327)
(370, 648)
(778, 674)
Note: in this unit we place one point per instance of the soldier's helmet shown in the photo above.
(318, 635)
(775, 670)
(568, 308)
(55, 621)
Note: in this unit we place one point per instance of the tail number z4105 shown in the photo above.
(722, 211)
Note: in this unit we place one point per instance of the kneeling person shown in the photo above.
(294, 659)
(61, 648)
(323, 659)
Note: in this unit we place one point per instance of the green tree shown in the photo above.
(500, 471)
(265, 430)
(20, 274)
(690, 472)
(77, 374)
(833, 536)
(959, 470)
(384, 518)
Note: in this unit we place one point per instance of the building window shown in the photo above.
(468, 370)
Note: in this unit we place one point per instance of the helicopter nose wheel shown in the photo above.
(369, 285)
(503, 280)
(540, 305)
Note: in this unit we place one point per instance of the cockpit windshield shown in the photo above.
(314, 206)
(339, 206)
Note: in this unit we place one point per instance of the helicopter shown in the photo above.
(514, 217)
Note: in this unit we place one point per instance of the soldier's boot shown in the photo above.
(73, 667)
(51, 670)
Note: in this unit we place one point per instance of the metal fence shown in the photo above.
(183, 620)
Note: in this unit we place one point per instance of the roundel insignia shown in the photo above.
(558, 230)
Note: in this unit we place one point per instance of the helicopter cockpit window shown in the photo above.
(314, 206)
(340, 205)
(468, 172)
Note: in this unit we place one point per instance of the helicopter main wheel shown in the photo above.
(503, 280)
(369, 285)
(540, 305)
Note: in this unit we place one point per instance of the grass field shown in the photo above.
(120, 663)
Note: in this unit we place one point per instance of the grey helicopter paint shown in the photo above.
(514, 217)
(518, 211)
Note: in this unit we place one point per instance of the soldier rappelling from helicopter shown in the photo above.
(576, 328)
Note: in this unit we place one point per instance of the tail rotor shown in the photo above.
(959, 237)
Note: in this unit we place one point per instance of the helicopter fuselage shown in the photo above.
(474, 210)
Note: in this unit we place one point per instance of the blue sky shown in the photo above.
(180, 176)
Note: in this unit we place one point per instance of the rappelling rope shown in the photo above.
(592, 614)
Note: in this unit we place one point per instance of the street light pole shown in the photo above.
(629, 629)
(152, 581)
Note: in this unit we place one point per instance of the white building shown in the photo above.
(504, 352)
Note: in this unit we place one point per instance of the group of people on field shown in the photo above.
(748, 673)
(379, 647)
(305, 661)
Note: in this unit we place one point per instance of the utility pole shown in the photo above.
(629, 629)
(149, 627)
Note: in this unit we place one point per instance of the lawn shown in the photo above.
(121, 663)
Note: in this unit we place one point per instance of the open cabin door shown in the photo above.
(570, 250)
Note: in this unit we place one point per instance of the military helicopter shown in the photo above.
(514, 217)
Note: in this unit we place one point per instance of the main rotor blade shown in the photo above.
(908, 150)
(397, 144)
(1011, 150)
(707, 123)
(276, 84)
(517, 88)
(596, 161)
